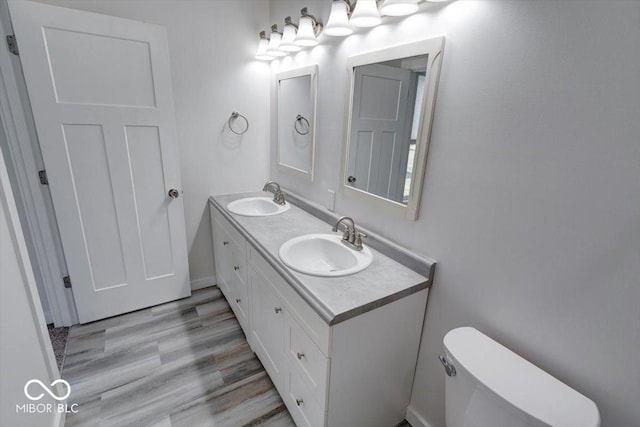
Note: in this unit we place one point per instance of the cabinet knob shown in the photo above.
(277, 310)
(225, 243)
(299, 402)
(300, 356)
(236, 268)
(238, 300)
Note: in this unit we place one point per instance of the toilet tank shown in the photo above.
(494, 387)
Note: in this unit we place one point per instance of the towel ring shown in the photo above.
(300, 118)
(234, 116)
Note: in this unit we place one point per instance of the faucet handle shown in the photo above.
(359, 237)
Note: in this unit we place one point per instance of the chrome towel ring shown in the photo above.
(301, 119)
(234, 116)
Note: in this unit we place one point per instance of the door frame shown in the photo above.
(38, 217)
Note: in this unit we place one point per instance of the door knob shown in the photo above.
(173, 193)
(351, 179)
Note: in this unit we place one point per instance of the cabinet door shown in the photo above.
(222, 255)
(268, 327)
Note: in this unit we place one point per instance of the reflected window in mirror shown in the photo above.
(296, 94)
(389, 121)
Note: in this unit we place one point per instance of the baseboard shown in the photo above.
(202, 283)
(415, 419)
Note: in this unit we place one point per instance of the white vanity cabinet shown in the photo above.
(357, 372)
(230, 250)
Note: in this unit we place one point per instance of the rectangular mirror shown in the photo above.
(296, 93)
(388, 128)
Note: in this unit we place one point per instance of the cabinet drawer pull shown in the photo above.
(277, 310)
(225, 243)
(300, 356)
(236, 268)
(299, 402)
(238, 300)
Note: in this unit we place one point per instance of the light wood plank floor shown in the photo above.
(185, 363)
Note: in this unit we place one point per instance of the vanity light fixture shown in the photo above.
(275, 38)
(365, 14)
(308, 29)
(263, 44)
(289, 36)
(338, 23)
(399, 7)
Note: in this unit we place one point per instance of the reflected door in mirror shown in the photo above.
(379, 130)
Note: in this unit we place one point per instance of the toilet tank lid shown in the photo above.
(518, 381)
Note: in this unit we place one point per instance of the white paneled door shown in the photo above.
(379, 141)
(100, 91)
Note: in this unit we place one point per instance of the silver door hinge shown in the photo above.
(13, 44)
(43, 177)
(67, 281)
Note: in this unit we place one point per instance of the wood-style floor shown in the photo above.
(185, 363)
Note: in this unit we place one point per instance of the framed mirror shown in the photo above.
(388, 128)
(296, 94)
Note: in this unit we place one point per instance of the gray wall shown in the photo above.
(211, 47)
(532, 196)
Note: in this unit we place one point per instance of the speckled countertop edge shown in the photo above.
(319, 306)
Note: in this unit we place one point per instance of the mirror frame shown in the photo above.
(312, 71)
(433, 49)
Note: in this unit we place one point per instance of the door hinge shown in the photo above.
(43, 177)
(13, 44)
(67, 281)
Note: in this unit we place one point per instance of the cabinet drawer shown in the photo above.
(304, 409)
(317, 329)
(230, 229)
(306, 360)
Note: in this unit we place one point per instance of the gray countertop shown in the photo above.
(335, 299)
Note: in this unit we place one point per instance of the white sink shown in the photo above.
(323, 255)
(257, 206)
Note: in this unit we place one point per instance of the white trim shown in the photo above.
(38, 219)
(415, 419)
(204, 282)
(28, 280)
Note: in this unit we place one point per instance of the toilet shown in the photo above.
(487, 385)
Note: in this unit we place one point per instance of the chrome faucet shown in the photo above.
(351, 238)
(278, 195)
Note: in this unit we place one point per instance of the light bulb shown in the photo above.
(399, 7)
(288, 38)
(338, 24)
(262, 50)
(274, 43)
(365, 14)
(306, 35)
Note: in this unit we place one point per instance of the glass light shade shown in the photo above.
(306, 36)
(262, 50)
(338, 24)
(274, 45)
(399, 7)
(365, 14)
(288, 39)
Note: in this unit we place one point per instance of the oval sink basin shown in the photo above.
(257, 206)
(323, 255)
